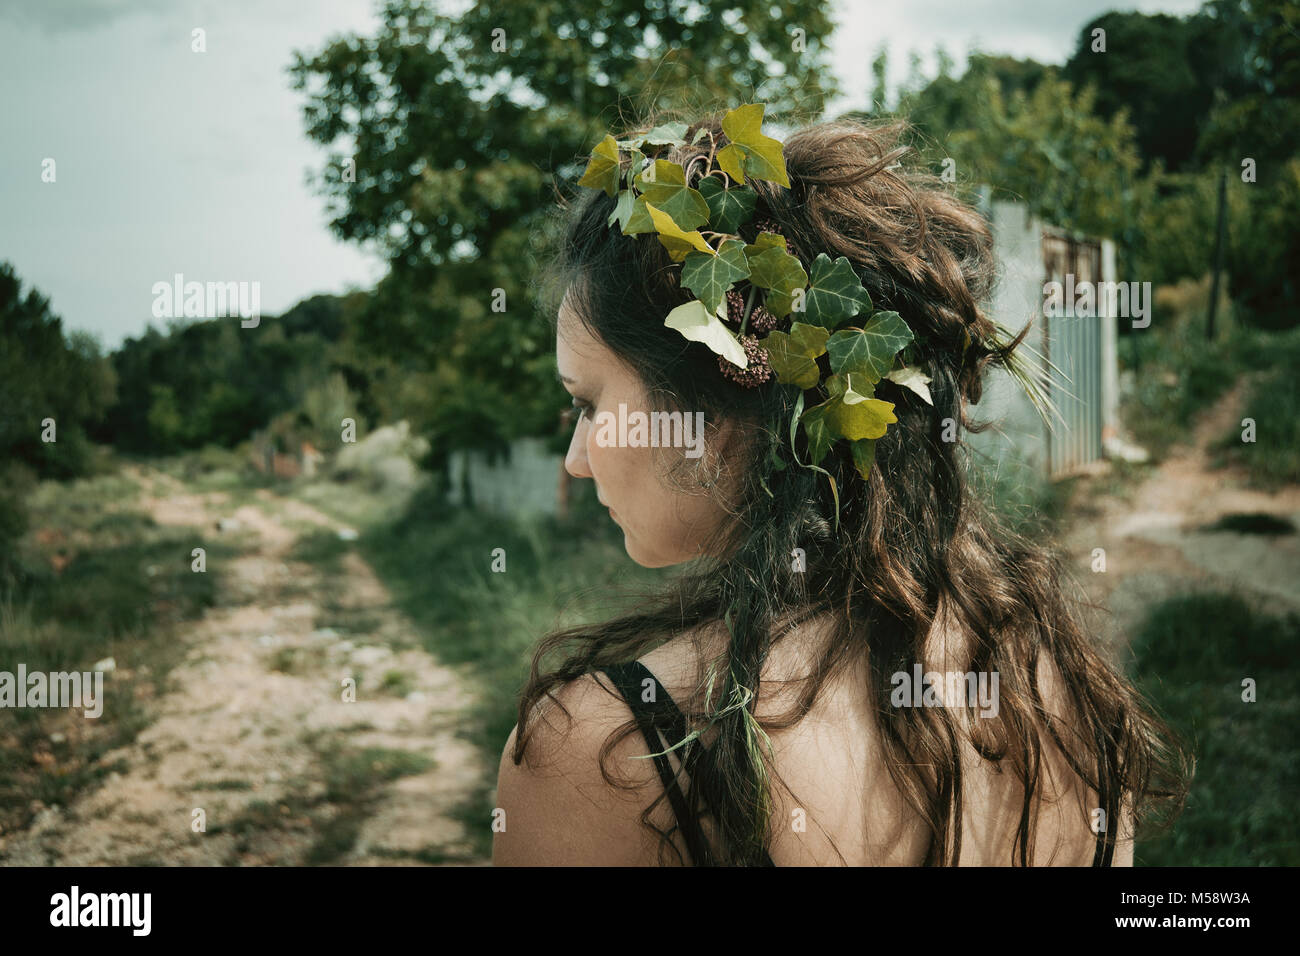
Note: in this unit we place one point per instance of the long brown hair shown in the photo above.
(912, 544)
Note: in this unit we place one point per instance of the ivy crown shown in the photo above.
(815, 330)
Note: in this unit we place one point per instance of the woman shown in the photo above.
(792, 655)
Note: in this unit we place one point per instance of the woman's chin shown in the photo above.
(640, 557)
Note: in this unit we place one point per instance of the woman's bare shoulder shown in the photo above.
(556, 807)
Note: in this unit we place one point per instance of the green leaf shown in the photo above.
(668, 191)
(779, 272)
(623, 209)
(676, 240)
(602, 168)
(834, 292)
(710, 276)
(793, 356)
(817, 427)
(729, 209)
(668, 134)
(852, 413)
(755, 155)
(637, 164)
(913, 378)
(864, 454)
(765, 240)
(639, 220)
(870, 350)
(698, 324)
(731, 160)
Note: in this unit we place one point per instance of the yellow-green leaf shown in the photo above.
(677, 241)
(793, 356)
(855, 416)
(731, 160)
(765, 240)
(761, 155)
(781, 274)
(602, 168)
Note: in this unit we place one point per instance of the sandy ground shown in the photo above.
(240, 735)
(1156, 540)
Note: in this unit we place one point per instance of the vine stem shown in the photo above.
(744, 323)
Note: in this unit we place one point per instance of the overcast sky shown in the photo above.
(171, 162)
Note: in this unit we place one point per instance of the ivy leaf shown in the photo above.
(623, 209)
(638, 220)
(852, 412)
(765, 240)
(698, 324)
(870, 350)
(710, 276)
(818, 430)
(793, 356)
(750, 153)
(729, 209)
(602, 168)
(677, 241)
(668, 191)
(864, 454)
(834, 292)
(865, 418)
(637, 165)
(779, 272)
(669, 134)
(913, 378)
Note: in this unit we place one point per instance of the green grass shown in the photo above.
(1190, 658)
(1178, 374)
(354, 779)
(437, 562)
(1273, 403)
(123, 585)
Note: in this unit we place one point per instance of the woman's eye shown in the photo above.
(574, 413)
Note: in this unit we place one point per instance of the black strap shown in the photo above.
(664, 715)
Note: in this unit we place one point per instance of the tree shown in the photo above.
(1164, 72)
(448, 133)
(51, 386)
(46, 375)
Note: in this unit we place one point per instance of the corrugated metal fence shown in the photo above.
(1073, 344)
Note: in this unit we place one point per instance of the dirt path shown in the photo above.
(255, 732)
(1158, 541)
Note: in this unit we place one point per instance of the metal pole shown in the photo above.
(1218, 256)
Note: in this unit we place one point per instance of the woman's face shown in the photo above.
(662, 525)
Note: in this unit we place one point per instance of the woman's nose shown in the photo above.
(575, 461)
